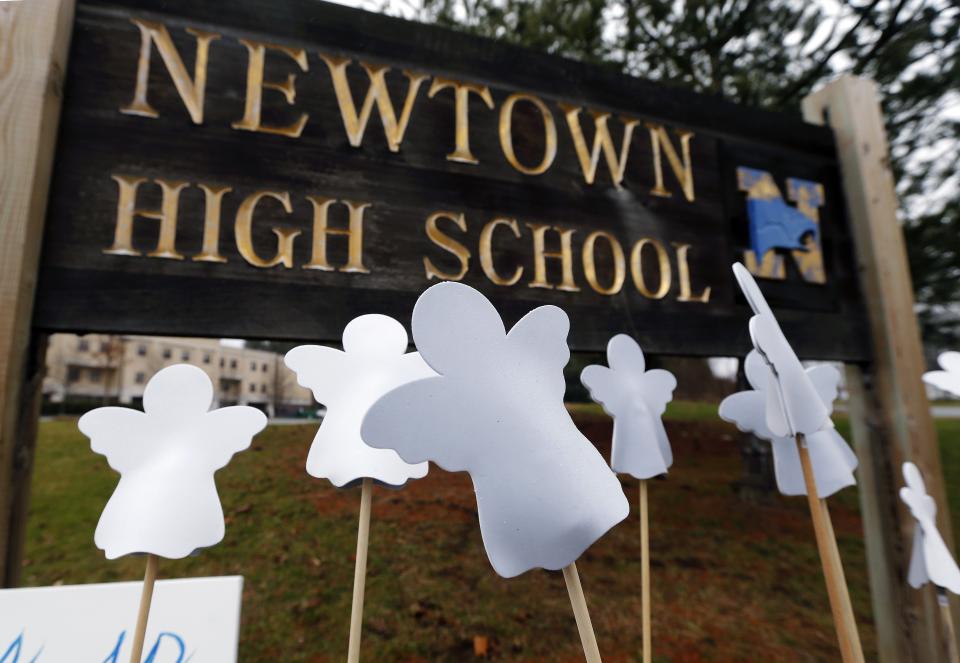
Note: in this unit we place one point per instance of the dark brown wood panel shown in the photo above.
(84, 289)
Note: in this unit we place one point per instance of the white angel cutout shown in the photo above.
(794, 409)
(832, 458)
(636, 399)
(930, 560)
(166, 501)
(949, 378)
(793, 405)
(544, 493)
(374, 360)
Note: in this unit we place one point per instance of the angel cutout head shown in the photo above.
(949, 378)
(930, 560)
(792, 404)
(636, 399)
(374, 361)
(166, 502)
(831, 457)
(495, 410)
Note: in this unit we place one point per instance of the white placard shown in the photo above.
(195, 619)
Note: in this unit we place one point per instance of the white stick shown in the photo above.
(360, 572)
(645, 573)
(146, 597)
(579, 602)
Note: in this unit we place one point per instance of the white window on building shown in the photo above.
(83, 345)
(264, 368)
(141, 378)
(94, 375)
(253, 365)
(185, 355)
(253, 388)
(167, 353)
(263, 388)
(206, 358)
(142, 350)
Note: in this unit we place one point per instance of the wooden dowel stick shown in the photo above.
(580, 612)
(843, 619)
(947, 618)
(360, 572)
(146, 597)
(645, 573)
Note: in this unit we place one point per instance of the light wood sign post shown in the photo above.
(274, 169)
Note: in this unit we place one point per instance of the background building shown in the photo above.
(99, 368)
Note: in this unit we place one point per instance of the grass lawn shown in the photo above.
(732, 580)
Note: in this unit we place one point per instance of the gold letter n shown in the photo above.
(191, 91)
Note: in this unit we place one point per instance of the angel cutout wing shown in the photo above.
(230, 430)
(166, 501)
(496, 410)
(947, 379)
(636, 399)
(373, 362)
(792, 403)
(114, 433)
(831, 457)
(931, 560)
(312, 363)
(538, 342)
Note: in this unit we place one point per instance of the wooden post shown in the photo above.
(34, 40)
(645, 574)
(143, 614)
(890, 415)
(949, 634)
(360, 572)
(581, 614)
(844, 621)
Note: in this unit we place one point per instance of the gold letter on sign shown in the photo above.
(683, 268)
(354, 233)
(244, 226)
(211, 224)
(461, 109)
(377, 93)
(601, 141)
(191, 92)
(540, 257)
(549, 134)
(486, 251)
(256, 85)
(684, 171)
(636, 268)
(127, 210)
(590, 265)
(447, 243)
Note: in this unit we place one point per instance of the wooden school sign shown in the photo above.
(275, 171)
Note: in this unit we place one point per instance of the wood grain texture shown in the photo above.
(900, 425)
(81, 288)
(34, 38)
